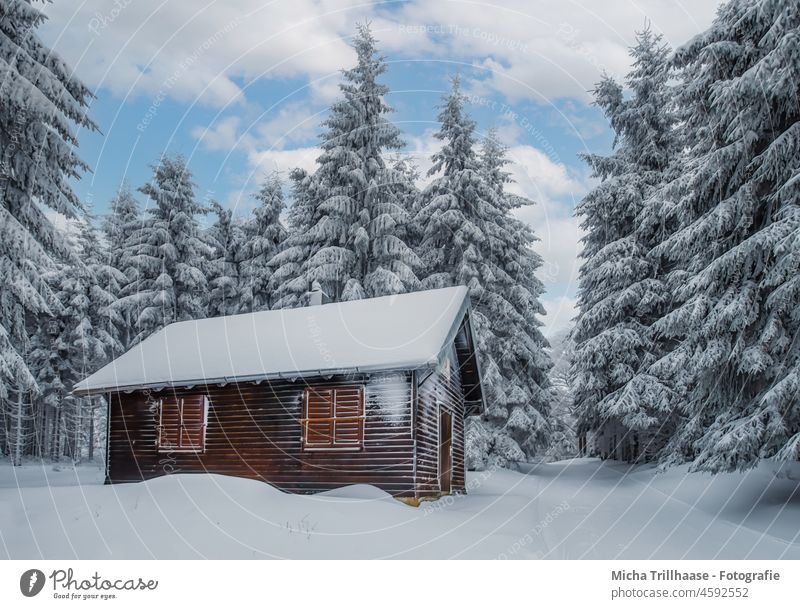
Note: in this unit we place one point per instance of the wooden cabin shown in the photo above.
(372, 391)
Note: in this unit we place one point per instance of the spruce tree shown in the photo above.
(170, 253)
(621, 291)
(734, 253)
(102, 293)
(564, 440)
(450, 219)
(392, 265)
(356, 244)
(455, 206)
(71, 342)
(404, 187)
(288, 284)
(224, 274)
(123, 220)
(262, 237)
(105, 339)
(42, 104)
(511, 302)
(122, 228)
(467, 237)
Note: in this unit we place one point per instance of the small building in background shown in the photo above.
(372, 391)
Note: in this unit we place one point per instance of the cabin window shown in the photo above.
(182, 423)
(334, 418)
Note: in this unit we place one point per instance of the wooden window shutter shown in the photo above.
(348, 423)
(193, 418)
(169, 436)
(319, 418)
(182, 426)
(334, 417)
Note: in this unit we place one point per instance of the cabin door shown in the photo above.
(445, 452)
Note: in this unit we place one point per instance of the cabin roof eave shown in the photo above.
(253, 378)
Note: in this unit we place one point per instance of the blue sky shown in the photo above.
(240, 86)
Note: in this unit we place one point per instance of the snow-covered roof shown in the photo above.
(391, 332)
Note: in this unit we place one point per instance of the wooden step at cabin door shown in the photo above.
(445, 452)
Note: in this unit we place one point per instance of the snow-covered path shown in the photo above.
(582, 508)
(621, 512)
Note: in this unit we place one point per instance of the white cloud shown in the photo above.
(204, 52)
(292, 122)
(420, 148)
(222, 135)
(559, 243)
(555, 189)
(261, 144)
(325, 89)
(541, 50)
(284, 160)
(539, 177)
(560, 312)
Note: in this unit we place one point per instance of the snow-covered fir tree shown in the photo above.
(402, 190)
(104, 291)
(262, 237)
(104, 341)
(404, 187)
(70, 343)
(734, 256)
(225, 237)
(468, 237)
(621, 291)
(355, 243)
(511, 303)
(122, 228)
(170, 253)
(388, 261)
(123, 220)
(42, 102)
(455, 207)
(450, 219)
(288, 284)
(564, 437)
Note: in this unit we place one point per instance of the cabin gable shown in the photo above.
(467, 360)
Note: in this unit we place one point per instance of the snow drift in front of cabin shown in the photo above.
(582, 508)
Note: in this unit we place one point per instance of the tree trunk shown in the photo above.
(91, 435)
(5, 448)
(55, 447)
(19, 432)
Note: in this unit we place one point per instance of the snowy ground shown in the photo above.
(582, 508)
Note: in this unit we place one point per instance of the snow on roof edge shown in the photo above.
(84, 388)
(252, 378)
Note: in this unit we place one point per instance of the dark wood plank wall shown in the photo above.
(435, 391)
(254, 431)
